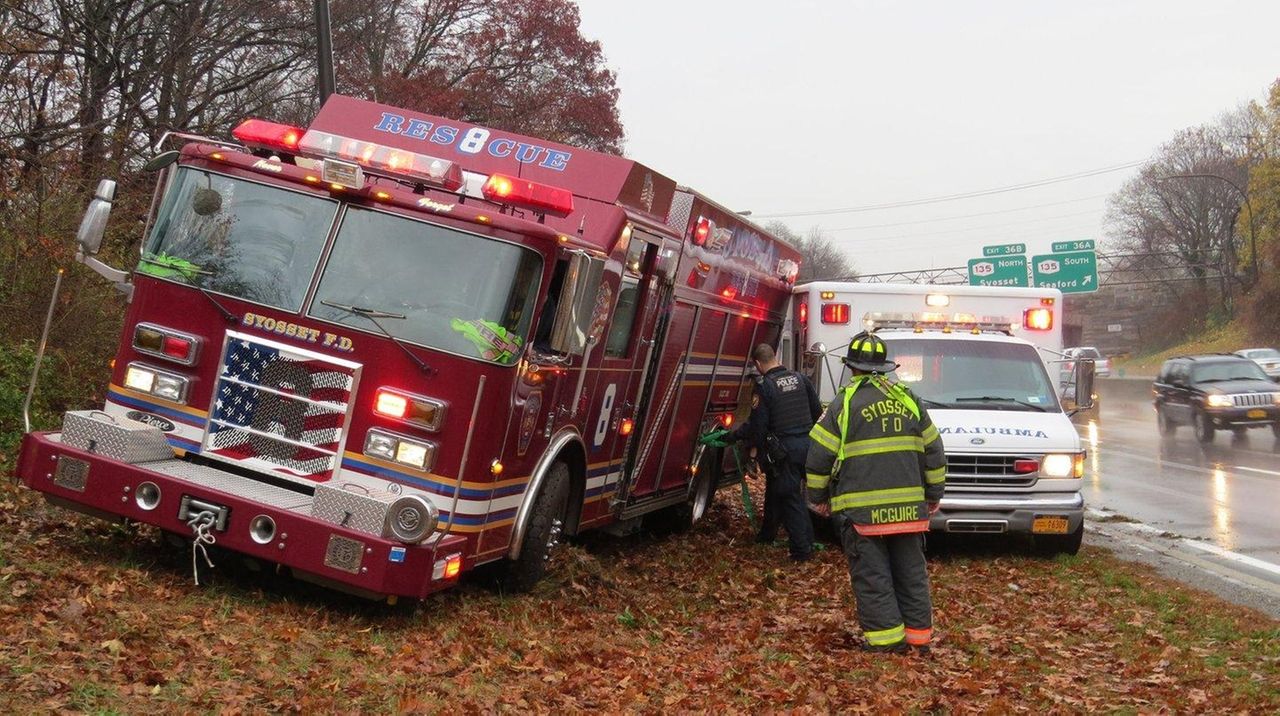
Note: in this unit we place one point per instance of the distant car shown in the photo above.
(1268, 359)
(1215, 392)
(1101, 365)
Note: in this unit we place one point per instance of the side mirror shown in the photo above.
(813, 360)
(571, 330)
(161, 160)
(1084, 383)
(94, 223)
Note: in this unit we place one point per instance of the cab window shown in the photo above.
(624, 312)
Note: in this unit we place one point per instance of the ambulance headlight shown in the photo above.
(1062, 465)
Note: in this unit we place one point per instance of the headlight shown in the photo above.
(418, 454)
(1062, 465)
(152, 381)
(1275, 398)
(1219, 401)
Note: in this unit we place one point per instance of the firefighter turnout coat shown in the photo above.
(900, 465)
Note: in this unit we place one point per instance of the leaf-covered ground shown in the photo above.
(98, 618)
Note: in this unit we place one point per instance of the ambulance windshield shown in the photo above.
(430, 285)
(973, 375)
(240, 238)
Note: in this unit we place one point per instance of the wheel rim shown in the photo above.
(701, 498)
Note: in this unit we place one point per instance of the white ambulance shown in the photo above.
(987, 364)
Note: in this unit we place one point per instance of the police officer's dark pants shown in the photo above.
(792, 510)
(891, 584)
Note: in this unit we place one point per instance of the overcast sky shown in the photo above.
(803, 106)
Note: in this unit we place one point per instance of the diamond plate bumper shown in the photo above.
(106, 488)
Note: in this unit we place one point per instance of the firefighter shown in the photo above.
(783, 410)
(877, 466)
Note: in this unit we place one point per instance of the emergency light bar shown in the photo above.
(268, 135)
(528, 194)
(938, 321)
(383, 159)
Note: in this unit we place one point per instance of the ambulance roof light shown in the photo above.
(933, 320)
(389, 160)
(528, 194)
(268, 135)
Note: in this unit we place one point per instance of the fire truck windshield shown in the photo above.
(431, 285)
(974, 375)
(240, 238)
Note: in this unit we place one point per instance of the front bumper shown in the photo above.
(316, 550)
(985, 512)
(1244, 417)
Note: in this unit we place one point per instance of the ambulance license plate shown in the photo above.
(1257, 413)
(1049, 525)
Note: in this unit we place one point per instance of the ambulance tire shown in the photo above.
(1053, 545)
(543, 535)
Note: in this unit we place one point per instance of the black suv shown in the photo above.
(1219, 391)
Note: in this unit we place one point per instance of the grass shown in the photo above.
(1226, 338)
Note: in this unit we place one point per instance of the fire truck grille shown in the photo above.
(985, 471)
(280, 409)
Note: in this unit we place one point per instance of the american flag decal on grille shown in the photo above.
(279, 408)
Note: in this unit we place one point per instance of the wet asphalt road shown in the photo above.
(1218, 504)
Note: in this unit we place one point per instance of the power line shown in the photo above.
(969, 229)
(968, 216)
(955, 197)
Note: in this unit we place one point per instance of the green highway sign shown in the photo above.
(998, 271)
(1004, 250)
(1071, 272)
(1084, 245)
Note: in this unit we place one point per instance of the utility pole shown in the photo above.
(324, 51)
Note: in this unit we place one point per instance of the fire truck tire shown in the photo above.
(1051, 545)
(683, 516)
(543, 536)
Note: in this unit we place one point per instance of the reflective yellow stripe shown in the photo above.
(934, 477)
(816, 482)
(886, 636)
(868, 498)
(874, 446)
(825, 438)
(929, 435)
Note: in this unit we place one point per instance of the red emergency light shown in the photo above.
(837, 313)
(1025, 467)
(1037, 319)
(268, 135)
(701, 231)
(528, 194)
(804, 314)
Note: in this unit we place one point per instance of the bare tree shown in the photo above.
(1181, 209)
(821, 259)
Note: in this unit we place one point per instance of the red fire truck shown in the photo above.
(391, 347)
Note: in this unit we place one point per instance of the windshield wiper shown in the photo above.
(362, 311)
(1000, 399)
(934, 403)
(373, 315)
(227, 316)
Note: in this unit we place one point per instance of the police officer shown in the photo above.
(877, 464)
(782, 413)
